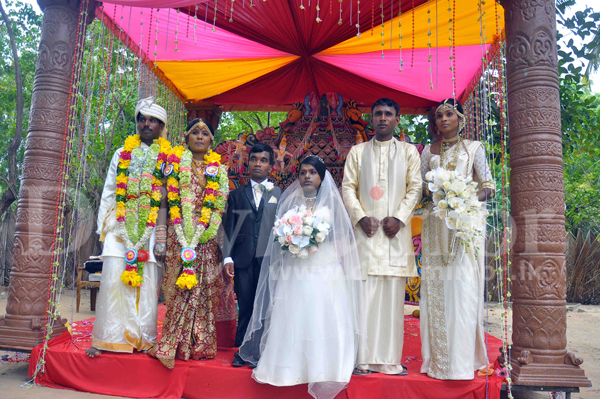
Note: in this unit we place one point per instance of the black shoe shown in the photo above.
(253, 364)
(238, 361)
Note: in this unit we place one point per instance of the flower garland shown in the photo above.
(139, 178)
(181, 207)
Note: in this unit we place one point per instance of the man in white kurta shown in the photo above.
(126, 317)
(381, 189)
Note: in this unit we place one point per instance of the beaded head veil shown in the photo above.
(450, 104)
(196, 123)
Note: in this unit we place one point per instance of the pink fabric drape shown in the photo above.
(278, 28)
(155, 3)
(207, 45)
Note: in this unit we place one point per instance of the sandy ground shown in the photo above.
(582, 333)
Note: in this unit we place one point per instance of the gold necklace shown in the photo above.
(445, 146)
(450, 140)
(197, 169)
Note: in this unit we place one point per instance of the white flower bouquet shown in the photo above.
(455, 200)
(300, 230)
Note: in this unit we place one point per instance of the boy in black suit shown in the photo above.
(250, 217)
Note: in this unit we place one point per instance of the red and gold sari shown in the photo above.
(189, 329)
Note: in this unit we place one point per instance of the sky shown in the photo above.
(580, 5)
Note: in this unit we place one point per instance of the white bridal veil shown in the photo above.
(282, 271)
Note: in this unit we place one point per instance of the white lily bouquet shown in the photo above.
(300, 230)
(455, 200)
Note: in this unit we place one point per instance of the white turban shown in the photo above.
(147, 107)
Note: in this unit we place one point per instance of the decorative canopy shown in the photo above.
(269, 55)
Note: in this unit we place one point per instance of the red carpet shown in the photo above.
(139, 376)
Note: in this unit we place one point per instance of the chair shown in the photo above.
(91, 266)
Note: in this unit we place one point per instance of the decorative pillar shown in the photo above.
(208, 111)
(23, 326)
(539, 274)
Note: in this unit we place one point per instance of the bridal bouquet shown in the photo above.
(300, 230)
(455, 200)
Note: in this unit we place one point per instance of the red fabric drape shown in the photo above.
(292, 82)
(284, 26)
(139, 376)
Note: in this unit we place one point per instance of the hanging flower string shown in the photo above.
(382, 29)
(231, 15)
(400, 33)
(139, 178)
(176, 41)
(429, 47)
(181, 207)
(358, 18)
(318, 12)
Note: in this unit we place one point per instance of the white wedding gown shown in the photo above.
(308, 316)
(311, 332)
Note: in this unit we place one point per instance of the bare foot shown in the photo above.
(92, 352)
(358, 371)
(152, 351)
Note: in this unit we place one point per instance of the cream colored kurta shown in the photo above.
(452, 294)
(126, 317)
(383, 268)
(375, 251)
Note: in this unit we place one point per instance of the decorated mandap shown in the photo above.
(323, 62)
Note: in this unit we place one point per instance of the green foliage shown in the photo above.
(580, 115)
(105, 112)
(234, 123)
(26, 25)
(413, 126)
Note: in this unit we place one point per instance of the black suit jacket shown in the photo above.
(247, 229)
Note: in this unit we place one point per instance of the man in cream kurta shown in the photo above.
(126, 317)
(381, 188)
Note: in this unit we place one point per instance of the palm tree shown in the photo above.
(593, 55)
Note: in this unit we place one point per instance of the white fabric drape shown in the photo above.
(125, 316)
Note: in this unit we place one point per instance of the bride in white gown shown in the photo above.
(306, 321)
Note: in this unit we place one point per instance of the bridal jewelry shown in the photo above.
(197, 169)
(448, 147)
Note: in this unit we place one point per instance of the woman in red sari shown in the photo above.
(198, 189)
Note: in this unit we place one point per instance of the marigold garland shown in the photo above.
(139, 179)
(181, 205)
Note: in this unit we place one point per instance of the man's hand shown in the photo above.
(160, 251)
(369, 225)
(229, 269)
(391, 226)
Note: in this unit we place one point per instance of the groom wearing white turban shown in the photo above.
(149, 109)
(126, 316)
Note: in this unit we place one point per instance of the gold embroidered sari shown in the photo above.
(189, 329)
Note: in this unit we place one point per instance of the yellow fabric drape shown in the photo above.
(202, 79)
(469, 28)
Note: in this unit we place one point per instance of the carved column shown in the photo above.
(208, 111)
(539, 351)
(23, 325)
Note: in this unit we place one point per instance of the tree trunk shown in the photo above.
(11, 191)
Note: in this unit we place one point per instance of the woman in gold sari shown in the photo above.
(452, 296)
(197, 193)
